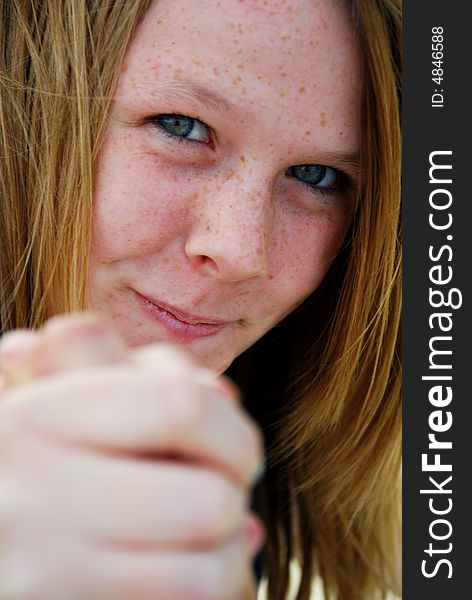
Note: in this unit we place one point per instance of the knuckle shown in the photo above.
(81, 338)
(66, 324)
(228, 388)
(219, 509)
(166, 358)
(186, 407)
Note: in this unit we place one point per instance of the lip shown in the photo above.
(181, 325)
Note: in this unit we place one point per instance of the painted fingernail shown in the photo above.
(255, 533)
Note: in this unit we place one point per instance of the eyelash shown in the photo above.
(343, 183)
(177, 138)
(343, 180)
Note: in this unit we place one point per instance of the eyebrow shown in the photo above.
(207, 97)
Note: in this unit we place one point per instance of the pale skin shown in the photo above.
(127, 464)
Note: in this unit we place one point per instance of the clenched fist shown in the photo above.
(124, 474)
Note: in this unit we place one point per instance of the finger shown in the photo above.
(67, 342)
(164, 355)
(55, 567)
(76, 572)
(169, 358)
(209, 575)
(117, 410)
(79, 340)
(134, 504)
(119, 502)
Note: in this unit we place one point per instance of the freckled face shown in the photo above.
(226, 178)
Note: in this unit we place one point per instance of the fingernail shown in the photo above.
(255, 533)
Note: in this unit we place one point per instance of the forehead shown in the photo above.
(298, 58)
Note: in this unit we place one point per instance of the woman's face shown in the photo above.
(226, 179)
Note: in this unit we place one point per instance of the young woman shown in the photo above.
(223, 175)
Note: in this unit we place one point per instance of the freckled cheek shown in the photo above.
(304, 249)
(140, 210)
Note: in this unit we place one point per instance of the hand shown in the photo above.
(123, 474)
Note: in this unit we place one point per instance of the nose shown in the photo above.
(230, 228)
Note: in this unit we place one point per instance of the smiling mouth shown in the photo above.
(183, 326)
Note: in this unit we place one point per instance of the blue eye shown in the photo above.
(318, 177)
(182, 128)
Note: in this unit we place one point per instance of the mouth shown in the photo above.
(183, 326)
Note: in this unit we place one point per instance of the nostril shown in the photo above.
(201, 261)
(209, 264)
(234, 268)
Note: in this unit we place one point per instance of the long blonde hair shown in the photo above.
(58, 68)
(325, 384)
